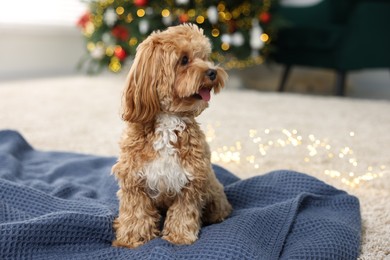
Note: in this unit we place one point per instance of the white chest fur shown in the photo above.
(165, 174)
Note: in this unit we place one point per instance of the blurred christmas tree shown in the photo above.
(240, 31)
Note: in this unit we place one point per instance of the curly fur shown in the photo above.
(165, 174)
(164, 164)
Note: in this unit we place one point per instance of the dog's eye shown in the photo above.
(184, 60)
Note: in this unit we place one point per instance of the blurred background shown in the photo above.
(43, 38)
(63, 65)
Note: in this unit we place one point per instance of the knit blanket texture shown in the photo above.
(61, 205)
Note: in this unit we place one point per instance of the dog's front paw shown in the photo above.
(180, 239)
(126, 236)
(133, 240)
(130, 243)
(181, 226)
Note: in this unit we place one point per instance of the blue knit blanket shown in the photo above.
(57, 205)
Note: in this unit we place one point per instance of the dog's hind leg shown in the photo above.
(217, 207)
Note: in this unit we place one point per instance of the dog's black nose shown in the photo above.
(212, 74)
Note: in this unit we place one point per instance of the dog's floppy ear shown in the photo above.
(140, 101)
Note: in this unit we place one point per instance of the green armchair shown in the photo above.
(342, 35)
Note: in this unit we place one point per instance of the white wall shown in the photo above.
(31, 51)
(40, 37)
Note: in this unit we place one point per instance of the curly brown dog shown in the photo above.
(164, 163)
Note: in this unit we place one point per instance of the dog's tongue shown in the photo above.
(205, 94)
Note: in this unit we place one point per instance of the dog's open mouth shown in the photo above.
(203, 94)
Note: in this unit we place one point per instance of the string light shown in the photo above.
(90, 46)
(165, 13)
(200, 19)
(133, 41)
(225, 46)
(98, 20)
(228, 16)
(215, 32)
(115, 65)
(221, 7)
(120, 10)
(110, 51)
(89, 29)
(140, 12)
(191, 13)
(350, 171)
(264, 37)
(129, 18)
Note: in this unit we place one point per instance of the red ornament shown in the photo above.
(84, 19)
(120, 53)
(183, 18)
(265, 17)
(120, 32)
(140, 2)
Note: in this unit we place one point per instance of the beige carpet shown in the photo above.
(344, 142)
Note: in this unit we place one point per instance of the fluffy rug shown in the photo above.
(344, 142)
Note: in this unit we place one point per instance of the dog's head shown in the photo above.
(171, 73)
